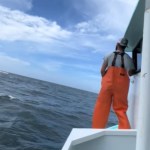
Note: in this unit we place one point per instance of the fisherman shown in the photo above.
(115, 72)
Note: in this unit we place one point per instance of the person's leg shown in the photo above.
(120, 106)
(102, 109)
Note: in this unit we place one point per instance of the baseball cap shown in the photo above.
(123, 42)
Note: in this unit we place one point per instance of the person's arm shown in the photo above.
(133, 72)
(103, 68)
(130, 65)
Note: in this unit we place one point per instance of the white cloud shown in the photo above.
(107, 25)
(23, 5)
(99, 33)
(112, 17)
(96, 34)
(51, 66)
(16, 25)
(83, 67)
(129, 2)
(12, 60)
(12, 64)
(58, 66)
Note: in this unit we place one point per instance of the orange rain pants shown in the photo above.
(114, 91)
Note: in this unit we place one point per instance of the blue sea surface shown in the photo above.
(39, 115)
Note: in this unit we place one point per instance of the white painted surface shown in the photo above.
(133, 100)
(101, 139)
(143, 136)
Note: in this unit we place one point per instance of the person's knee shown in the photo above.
(120, 113)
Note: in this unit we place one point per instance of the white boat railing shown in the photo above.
(101, 139)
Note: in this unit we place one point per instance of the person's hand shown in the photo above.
(133, 72)
(138, 71)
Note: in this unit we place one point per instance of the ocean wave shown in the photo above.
(3, 96)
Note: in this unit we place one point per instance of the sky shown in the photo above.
(61, 41)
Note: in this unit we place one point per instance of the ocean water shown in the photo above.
(39, 115)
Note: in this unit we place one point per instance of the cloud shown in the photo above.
(70, 56)
(16, 25)
(23, 5)
(128, 2)
(96, 34)
(112, 17)
(12, 64)
(83, 67)
(99, 34)
(51, 66)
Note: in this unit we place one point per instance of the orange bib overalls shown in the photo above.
(114, 91)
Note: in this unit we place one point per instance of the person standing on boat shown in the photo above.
(115, 72)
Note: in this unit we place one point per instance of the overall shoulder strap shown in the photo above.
(122, 60)
(114, 60)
